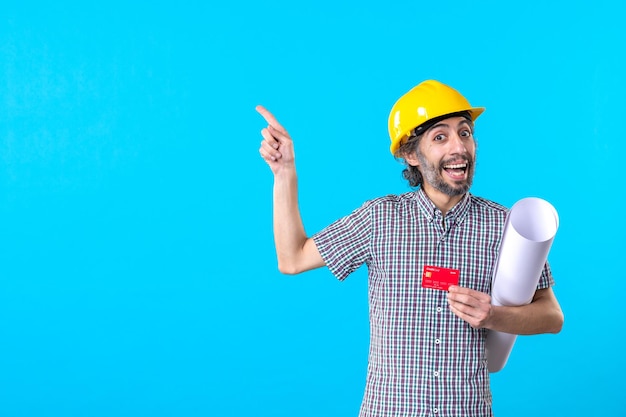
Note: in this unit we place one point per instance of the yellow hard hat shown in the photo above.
(426, 101)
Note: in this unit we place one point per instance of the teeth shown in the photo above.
(455, 166)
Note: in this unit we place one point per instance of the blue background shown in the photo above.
(137, 267)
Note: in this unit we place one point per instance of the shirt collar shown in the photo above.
(456, 214)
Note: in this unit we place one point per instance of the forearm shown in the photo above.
(289, 235)
(542, 315)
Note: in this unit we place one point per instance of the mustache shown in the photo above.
(456, 159)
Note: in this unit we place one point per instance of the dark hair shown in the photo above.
(411, 173)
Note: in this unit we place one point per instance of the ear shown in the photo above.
(411, 159)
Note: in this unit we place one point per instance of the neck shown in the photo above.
(442, 201)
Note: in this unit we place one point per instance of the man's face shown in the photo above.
(446, 156)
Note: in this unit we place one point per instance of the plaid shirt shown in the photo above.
(423, 360)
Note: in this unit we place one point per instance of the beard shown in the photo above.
(432, 174)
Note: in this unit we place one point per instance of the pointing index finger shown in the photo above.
(270, 119)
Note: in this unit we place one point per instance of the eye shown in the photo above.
(465, 133)
(439, 137)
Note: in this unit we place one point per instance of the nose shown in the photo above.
(458, 144)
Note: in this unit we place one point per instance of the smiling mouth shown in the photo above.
(456, 171)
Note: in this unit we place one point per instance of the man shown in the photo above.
(427, 346)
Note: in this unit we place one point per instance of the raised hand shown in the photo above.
(276, 147)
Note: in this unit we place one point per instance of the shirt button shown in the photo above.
(439, 309)
(435, 410)
(437, 341)
(436, 373)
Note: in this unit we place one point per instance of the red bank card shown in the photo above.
(439, 278)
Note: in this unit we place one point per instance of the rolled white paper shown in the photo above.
(528, 235)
